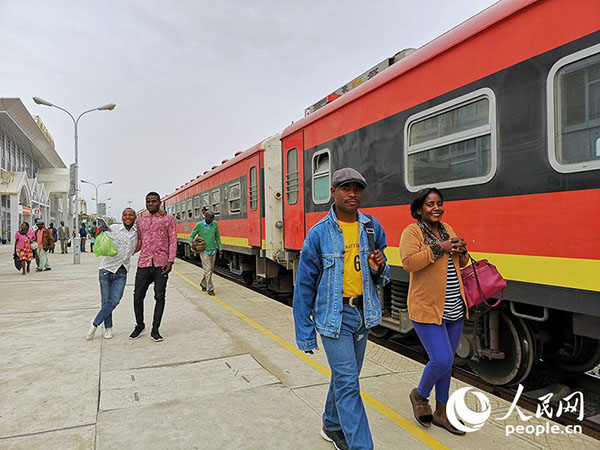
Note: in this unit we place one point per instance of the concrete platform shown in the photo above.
(227, 375)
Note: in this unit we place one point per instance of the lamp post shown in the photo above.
(107, 107)
(96, 187)
(101, 202)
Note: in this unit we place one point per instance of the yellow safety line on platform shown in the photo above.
(388, 412)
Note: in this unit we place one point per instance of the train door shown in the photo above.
(293, 203)
(254, 204)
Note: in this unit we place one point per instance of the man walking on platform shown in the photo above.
(157, 239)
(45, 243)
(341, 265)
(63, 237)
(208, 231)
(54, 232)
(83, 235)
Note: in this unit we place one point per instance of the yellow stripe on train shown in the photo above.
(564, 272)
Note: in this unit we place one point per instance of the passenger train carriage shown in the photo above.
(503, 114)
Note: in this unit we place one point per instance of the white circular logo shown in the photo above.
(456, 409)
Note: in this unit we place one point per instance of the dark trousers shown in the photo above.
(144, 277)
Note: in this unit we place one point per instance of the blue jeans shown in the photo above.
(344, 408)
(440, 342)
(112, 286)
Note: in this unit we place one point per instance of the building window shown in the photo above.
(321, 173)
(253, 189)
(197, 206)
(573, 91)
(216, 201)
(291, 179)
(452, 144)
(234, 195)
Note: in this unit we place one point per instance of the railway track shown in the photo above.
(542, 377)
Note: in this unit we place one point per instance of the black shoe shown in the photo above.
(48, 268)
(137, 331)
(203, 288)
(337, 438)
(211, 293)
(155, 335)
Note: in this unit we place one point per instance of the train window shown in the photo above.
(206, 200)
(320, 176)
(573, 91)
(253, 189)
(233, 198)
(216, 201)
(452, 144)
(291, 178)
(190, 211)
(196, 206)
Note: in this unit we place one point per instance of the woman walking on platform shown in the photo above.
(23, 239)
(433, 254)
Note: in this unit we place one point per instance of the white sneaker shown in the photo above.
(91, 332)
(108, 334)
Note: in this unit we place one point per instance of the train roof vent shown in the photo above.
(205, 172)
(224, 161)
(238, 153)
(366, 76)
(213, 167)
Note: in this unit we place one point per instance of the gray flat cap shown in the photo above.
(347, 175)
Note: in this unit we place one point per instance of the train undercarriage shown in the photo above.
(501, 345)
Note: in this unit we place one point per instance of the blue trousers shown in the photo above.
(440, 342)
(344, 408)
(112, 286)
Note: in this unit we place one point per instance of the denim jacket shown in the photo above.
(320, 280)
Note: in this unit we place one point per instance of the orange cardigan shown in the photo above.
(427, 288)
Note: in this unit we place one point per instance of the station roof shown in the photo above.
(16, 121)
(467, 29)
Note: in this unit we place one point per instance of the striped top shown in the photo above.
(454, 305)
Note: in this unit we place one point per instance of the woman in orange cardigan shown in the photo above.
(432, 254)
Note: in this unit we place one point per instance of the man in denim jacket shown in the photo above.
(336, 296)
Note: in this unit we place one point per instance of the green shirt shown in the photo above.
(210, 234)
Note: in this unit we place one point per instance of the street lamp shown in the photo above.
(96, 186)
(107, 107)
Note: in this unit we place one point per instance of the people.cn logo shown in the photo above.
(461, 416)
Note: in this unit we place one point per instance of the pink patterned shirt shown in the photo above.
(157, 239)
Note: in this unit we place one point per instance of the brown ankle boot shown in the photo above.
(421, 408)
(440, 419)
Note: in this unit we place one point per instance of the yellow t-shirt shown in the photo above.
(352, 272)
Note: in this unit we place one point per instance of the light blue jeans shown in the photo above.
(440, 342)
(344, 408)
(112, 286)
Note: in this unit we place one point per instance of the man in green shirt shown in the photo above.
(208, 230)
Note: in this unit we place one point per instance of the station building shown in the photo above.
(34, 180)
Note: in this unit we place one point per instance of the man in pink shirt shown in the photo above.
(157, 240)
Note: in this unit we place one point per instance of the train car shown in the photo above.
(503, 114)
(244, 193)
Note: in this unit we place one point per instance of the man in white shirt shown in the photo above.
(113, 271)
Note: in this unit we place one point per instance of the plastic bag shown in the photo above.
(105, 246)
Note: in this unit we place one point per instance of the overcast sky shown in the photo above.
(194, 81)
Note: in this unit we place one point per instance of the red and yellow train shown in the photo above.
(503, 114)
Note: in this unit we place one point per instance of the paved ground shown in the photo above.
(227, 375)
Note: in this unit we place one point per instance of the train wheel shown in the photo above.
(578, 354)
(528, 351)
(503, 371)
(380, 331)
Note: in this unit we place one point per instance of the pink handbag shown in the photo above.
(481, 280)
